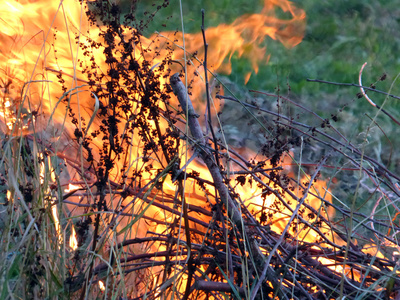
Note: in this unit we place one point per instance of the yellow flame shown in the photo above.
(102, 286)
(73, 242)
(34, 46)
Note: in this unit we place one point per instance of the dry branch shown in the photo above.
(180, 91)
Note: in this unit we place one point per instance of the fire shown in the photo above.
(73, 243)
(102, 286)
(245, 36)
(38, 40)
(46, 42)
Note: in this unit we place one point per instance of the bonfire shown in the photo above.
(123, 175)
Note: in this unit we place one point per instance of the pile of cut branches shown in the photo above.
(163, 207)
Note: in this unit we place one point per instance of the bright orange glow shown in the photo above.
(73, 242)
(71, 187)
(56, 222)
(38, 38)
(102, 286)
(39, 41)
(281, 215)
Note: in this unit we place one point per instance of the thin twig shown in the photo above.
(354, 85)
(294, 215)
(210, 126)
(369, 99)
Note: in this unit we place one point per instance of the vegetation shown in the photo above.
(340, 37)
(163, 206)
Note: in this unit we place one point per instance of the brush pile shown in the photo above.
(161, 206)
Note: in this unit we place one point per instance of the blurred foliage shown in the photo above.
(217, 12)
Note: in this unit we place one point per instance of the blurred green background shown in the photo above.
(340, 36)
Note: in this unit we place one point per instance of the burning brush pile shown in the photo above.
(117, 180)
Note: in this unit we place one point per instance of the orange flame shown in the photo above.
(102, 286)
(73, 242)
(39, 36)
(246, 35)
(38, 41)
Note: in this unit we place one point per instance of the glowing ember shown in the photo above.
(102, 286)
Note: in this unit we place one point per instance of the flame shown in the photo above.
(246, 35)
(102, 286)
(73, 242)
(38, 38)
(38, 43)
(42, 39)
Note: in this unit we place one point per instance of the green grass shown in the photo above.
(217, 12)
